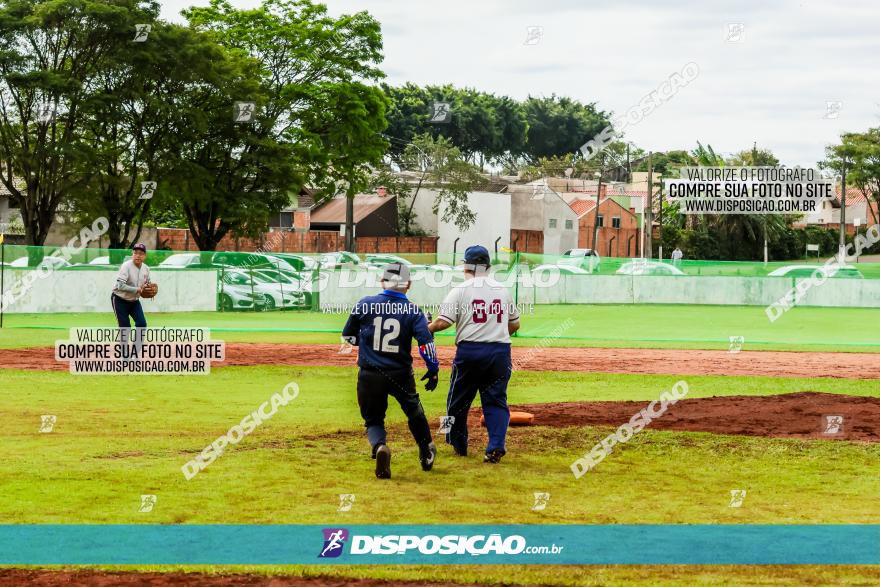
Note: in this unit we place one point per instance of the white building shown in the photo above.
(492, 222)
(538, 208)
(524, 217)
(828, 214)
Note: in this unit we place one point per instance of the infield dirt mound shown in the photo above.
(790, 415)
(16, 577)
(587, 360)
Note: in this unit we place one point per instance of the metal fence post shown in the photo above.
(253, 295)
(2, 275)
(222, 276)
(280, 283)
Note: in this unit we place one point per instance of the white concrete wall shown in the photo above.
(824, 215)
(423, 209)
(560, 239)
(497, 214)
(341, 289)
(531, 213)
(527, 213)
(492, 221)
(853, 211)
(622, 289)
(734, 291)
(89, 291)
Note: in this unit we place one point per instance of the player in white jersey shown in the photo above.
(484, 317)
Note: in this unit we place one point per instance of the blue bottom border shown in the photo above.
(624, 544)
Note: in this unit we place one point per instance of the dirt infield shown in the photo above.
(17, 577)
(588, 360)
(790, 415)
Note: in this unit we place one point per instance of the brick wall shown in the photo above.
(302, 219)
(282, 241)
(613, 242)
(396, 244)
(527, 241)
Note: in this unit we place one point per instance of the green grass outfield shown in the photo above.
(117, 438)
(654, 326)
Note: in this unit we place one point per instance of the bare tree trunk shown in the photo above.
(412, 204)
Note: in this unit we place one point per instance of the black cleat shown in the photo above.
(383, 462)
(494, 456)
(427, 454)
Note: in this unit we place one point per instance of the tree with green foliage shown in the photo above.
(754, 157)
(759, 228)
(444, 169)
(314, 112)
(705, 156)
(408, 115)
(226, 177)
(485, 127)
(490, 128)
(666, 164)
(862, 152)
(132, 124)
(512, 134)
(559, 126)
(53, 54)
(473, 126)
(731, 236)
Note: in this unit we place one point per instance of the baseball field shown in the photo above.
(748, 444)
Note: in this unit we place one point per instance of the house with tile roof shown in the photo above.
(619, 234)
(374, 215)
(861, 211)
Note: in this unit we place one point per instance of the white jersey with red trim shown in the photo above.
(481, 309)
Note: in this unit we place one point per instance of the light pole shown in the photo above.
(597, 175)
(857, 222)
(660, 218)
(766, 255)
(842, 246)
(344, 186)
(649, 209)
(349, 222)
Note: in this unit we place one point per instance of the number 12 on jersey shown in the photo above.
(386, 341)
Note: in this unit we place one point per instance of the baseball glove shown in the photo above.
(149, 290)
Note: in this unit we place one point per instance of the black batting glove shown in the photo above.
(433, 377)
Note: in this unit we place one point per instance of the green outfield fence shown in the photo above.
(28, 257)
(56, 279)
(593, 302)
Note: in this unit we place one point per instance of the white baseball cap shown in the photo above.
(396, 273)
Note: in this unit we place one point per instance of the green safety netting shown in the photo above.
(235, 291)
(26, 257)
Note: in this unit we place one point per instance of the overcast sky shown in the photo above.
(767, 70)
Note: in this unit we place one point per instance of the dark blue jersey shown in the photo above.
(383, 327)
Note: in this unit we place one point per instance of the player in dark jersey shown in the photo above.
(382, 327)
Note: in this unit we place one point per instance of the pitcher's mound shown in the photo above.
(804, 414)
